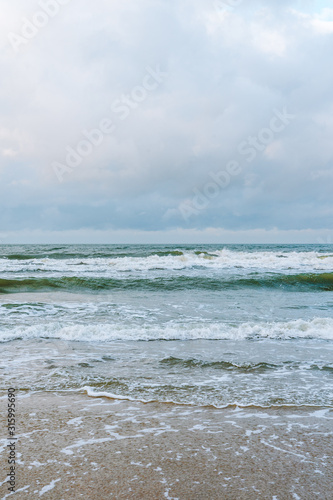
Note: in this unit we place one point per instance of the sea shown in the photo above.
(200, 325)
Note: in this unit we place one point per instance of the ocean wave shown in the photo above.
(218, 365)
(317, 328)
(321, 281)
(257, 368)
(175, 259)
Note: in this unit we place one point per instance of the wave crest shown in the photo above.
(317, 328)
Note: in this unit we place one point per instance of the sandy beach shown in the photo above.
(71, 446)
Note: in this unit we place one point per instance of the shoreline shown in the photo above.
(71, 445)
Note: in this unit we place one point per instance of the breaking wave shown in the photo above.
(317, 328)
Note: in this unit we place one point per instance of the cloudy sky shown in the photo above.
(166, 121)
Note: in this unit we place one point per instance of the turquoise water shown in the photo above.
(204, 325)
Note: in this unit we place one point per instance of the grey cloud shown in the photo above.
(226, 75)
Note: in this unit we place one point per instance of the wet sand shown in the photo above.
(72, 446)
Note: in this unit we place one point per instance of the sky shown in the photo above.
(154, 121)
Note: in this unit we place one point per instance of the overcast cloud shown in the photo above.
(181, 88)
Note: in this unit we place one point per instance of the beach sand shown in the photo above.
(72, 446)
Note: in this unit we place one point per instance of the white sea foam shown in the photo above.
(317, 328)
(48, 487)
(103, 394)
(219, 259)
(238, 405)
